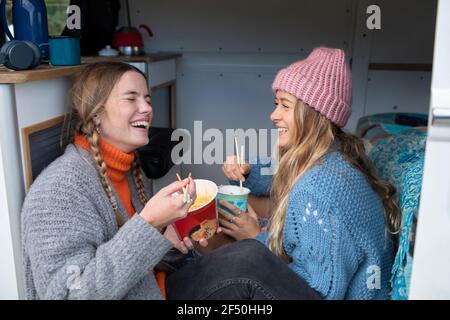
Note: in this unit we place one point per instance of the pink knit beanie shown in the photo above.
(323, 81)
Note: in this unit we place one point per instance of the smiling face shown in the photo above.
(284, 117)
(127, 113)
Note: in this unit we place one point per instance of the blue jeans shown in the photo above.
(243, 270)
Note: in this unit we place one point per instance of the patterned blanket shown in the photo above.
(381, 126)
(398, 153)
(399, 160)
(396, 144)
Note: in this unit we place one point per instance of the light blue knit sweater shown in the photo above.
(334, 230)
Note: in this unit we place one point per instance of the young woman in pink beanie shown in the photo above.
(329, 232)
(331, 218)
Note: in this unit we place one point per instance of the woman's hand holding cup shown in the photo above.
(233, 171)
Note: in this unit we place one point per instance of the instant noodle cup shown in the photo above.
(201, 221)
(233, 195)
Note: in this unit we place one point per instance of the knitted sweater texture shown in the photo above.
(334, 230)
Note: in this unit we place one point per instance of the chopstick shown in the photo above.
(185, 189)
(240, 160)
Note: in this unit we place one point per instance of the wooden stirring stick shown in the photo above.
(184, 189)
(239, 162)
(187, 189)
(242, 155)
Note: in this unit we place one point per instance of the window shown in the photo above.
(57, 16)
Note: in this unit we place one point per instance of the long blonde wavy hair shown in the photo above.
(87, 97)
(314, 135)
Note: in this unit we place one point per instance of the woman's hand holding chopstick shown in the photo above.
(189, 192)
(233, 171)
(168, 205)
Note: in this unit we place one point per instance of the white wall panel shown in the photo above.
(398, 91)
(11, 194)
(248, 41)
(39, 101)
(407, 32)
(161, 72)
(223, 98)
(430, 277)
(243, 26)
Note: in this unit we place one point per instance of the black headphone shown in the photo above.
(20, 55)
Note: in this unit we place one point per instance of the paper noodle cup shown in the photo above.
(201, 221)
(233, 195)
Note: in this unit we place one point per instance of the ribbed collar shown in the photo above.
(117, 162)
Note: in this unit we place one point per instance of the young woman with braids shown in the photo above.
(330, 218)
(91, 228)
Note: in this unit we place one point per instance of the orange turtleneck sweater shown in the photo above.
(117, 164)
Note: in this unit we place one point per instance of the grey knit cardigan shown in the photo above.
(72, 246)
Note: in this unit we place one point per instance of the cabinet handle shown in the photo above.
(440, 117)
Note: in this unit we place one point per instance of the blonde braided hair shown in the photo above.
(93, 138)
(138, 180)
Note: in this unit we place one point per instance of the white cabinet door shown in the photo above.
(142, 66)
(431, 267)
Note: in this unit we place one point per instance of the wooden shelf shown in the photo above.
(46, 72)
(143, 58)
(43, 72)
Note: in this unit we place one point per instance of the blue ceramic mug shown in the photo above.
(64, 51)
